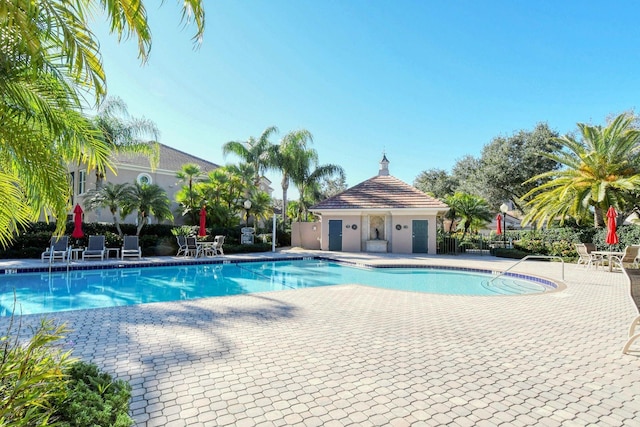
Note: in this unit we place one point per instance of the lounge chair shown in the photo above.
(633, 276)
(95, 248)
(191, 247)
(630, 256)
(218, 241)
(182, 245)
(58, 249)
(131, 247)
(586, 257)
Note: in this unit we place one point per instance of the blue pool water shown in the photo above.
(82, 289)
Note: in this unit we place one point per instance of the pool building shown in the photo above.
(381, 214)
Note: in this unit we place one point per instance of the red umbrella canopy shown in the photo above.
(499, 222)
(612, 236)
(77, 223)
(203, 222)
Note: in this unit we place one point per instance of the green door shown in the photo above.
(335, 235)
(420, 234)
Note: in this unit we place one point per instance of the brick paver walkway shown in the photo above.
(360, 356)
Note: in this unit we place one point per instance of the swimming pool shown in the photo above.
(84, 289)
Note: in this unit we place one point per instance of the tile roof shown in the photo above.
(381, 192)
(170, 159)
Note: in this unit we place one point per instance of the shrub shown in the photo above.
(31, 375)
(41, 385)
(94, 399)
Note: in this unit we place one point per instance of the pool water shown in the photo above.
(83, 289)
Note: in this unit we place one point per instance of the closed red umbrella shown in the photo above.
(612, 236)
(203, 222)
(499, 224)
(77, 223)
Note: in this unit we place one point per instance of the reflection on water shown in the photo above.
(44, 292)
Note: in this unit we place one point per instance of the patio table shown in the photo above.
(204, 247)
(608, 255)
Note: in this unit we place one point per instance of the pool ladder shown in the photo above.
(526, 258)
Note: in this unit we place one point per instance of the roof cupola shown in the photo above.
(384, 166)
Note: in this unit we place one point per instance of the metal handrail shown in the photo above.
(531, 257)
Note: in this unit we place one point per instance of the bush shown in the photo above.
(94, 399)
(31, 375)
(41, 385)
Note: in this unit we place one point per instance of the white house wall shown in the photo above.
(400, 241)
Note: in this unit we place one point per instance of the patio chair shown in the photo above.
(586, 257)
(95, 248)
(58, 249)
(630, 256)
(191, 247)
(131, 247)
(633, 277)
(218, 241)
(182, 245)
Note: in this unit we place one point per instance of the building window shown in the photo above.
(82, 182)
(144, 179)
(72, 184)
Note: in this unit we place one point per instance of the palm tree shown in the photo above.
(125, 134)
(600, 170)
(43, 129)
(254, 152)
(110, 196)
(148, 200)
(188, 197)
(308, 181)
(261, 206)
(287, 156)
(471, 210)
(224, 190)
(42, 132)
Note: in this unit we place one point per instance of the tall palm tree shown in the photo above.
(125, 134)
(188, 197)
(110, 196)
(148, 200)
(287, 156)
(600, 170)
(471, 210)
(308, 180)
(43, 128)
(254, 152)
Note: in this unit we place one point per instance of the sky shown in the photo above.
(426, 82)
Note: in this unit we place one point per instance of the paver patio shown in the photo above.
(358, 355)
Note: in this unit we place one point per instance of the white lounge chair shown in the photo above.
(131, 247)
(58, 249)
(95, 248)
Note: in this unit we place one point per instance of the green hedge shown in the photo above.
(155, 239)
(561, 241)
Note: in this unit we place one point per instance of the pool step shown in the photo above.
(504, 286)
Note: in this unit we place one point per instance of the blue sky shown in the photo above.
(427, 82)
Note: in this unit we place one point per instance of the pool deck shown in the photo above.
(362, 356)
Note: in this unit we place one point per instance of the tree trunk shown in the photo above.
(285, 187)
(117, 223)
(598, 217)
(141, 224)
